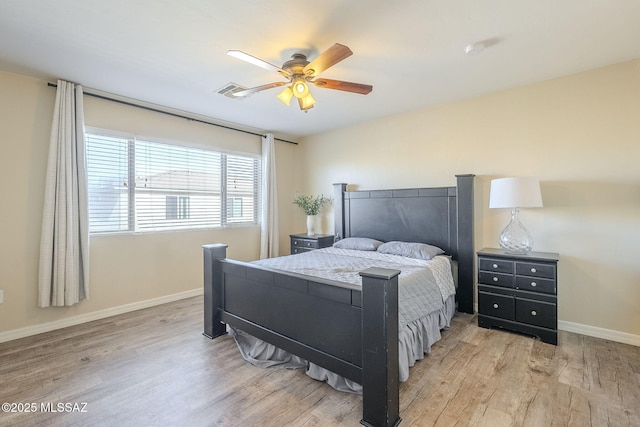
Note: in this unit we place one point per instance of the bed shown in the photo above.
(301, 313)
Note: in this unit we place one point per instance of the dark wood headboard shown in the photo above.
(440, 216)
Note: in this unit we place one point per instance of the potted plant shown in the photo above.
(311, 206)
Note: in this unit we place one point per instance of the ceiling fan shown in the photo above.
(299, 73)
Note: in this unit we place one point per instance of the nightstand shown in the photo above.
(304, 243)
(519, 292)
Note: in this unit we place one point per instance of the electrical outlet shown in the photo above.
(1, 296)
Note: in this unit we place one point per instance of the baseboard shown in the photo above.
(95, 315)
(594, 331)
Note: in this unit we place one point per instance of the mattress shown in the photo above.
(424, 285)
(426, 304)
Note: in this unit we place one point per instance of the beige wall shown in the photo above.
(125, 269)
(579, 134)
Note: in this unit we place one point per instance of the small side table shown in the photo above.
(304, 243)
(519, 292)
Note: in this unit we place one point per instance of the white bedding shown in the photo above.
(426, 300)
(424, 285)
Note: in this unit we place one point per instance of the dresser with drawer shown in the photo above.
(518, 292)
(303, 242)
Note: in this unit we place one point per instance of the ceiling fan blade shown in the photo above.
(345, 86)
(328, 58)
(257, 61)
(253, 90)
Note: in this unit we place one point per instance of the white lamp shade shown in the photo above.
(519, 192)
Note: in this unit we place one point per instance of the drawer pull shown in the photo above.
(495, 279)
(495, 305)
(533, 269)
(309, 244)
(534, 313)
(534, 284)
(495, 265)
(295, 242)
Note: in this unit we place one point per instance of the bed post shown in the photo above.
(338, 210)
(466, 256)
(380, 365)
(213, 327)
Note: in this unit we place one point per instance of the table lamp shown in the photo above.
(515, 193)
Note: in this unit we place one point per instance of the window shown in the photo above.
(139, 185)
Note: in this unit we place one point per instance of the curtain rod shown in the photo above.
(180, 116)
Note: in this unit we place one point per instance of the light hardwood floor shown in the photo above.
(153, 367)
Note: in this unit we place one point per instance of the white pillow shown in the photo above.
(410, 249)
(358, 243)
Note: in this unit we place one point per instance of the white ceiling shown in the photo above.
(173, 52)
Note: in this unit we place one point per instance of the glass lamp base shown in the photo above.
(515, 238)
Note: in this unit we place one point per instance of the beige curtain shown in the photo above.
(64, 245)
(269, 244)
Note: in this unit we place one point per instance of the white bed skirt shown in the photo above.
(415, 340)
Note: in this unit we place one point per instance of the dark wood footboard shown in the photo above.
(346, 329)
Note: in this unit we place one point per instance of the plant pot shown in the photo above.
(311, 222)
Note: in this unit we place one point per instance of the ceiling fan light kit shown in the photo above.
(300, 88)
(307, 102)
(286, 95)
(300, 73)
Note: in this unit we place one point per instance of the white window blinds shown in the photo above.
(242, 186)
(174, 186)
(108, 179)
